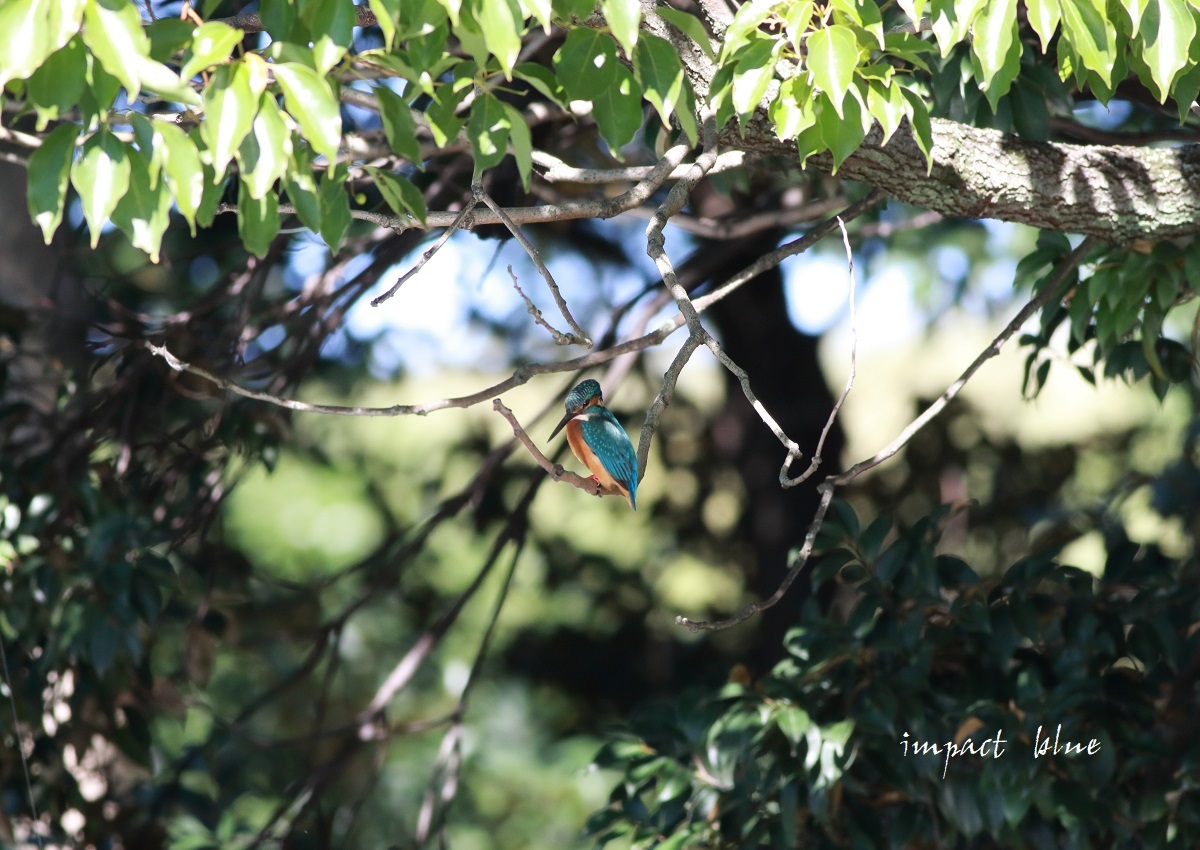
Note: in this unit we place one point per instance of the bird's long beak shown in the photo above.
(567, 417)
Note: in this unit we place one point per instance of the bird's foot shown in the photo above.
(596, 480)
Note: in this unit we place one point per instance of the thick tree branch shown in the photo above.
(1116, 193)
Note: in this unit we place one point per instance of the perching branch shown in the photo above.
(554, 470)
(1053, 290)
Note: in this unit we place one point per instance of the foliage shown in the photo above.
(217, 99)
(823, 752)
(192, 668)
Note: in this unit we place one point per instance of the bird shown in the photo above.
(599, 441)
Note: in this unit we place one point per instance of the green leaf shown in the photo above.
(170, 38)
(746, 26)
(101, 177)
(886, 105)
(832, 57)
(302, 188)
(100, 91)
(49, 170)
(843, 133)
(659, 73)
(31, 30)
(331, 25)
(618, 110)
(1002, 78)
(398, 125)
(1135, 9)
(387, 13)
(543, 79)
(258, 220)
(158, 78)
(543, 10)
(797, 22)
(264, 153)
(443, 122)
(1091, 34)
(992, 34)
(578, 9)
(57, 86)
(487, 129)
(953, 21)
(586, 57)
(1043, 17)
(112, 29)
(1166, 34)
(502, 23)
(690, 26)
(230, 105)
(753, 73)
(792, 112)
(522, 144)
(212, 44)
(401, 195)
(915, 9)
(309, 100)
(335, 207)
(918, 116)
(144, 211)
(182, 168)
(623, 17)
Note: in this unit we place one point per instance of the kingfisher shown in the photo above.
(599, 441)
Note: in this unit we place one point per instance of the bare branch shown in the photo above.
(818, 455)
(579, 337)
(540, 320)
(554, 470)
(794, 570)
(1052, 291)
(459, 220)
(797, 246)
(743, 226)
(603, 208)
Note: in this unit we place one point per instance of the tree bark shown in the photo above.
(1117, 193)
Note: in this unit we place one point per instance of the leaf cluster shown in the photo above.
(911, 645)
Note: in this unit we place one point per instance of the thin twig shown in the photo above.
(1053, 290)
(560, 338)
(818, 455)
(525, 373)
(579, 337)
(459, 220)
(554, 470)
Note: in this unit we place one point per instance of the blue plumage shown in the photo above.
(599, 441)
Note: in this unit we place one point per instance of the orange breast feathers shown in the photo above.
(588, 458)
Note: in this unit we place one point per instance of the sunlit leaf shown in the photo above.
(212, 43)
(308, 99)
(623, 17)
(832, 57)
(230, 105)
(49, 170)
(101, 177)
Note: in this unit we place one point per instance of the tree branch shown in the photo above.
(1053, 290)
(554, 470)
